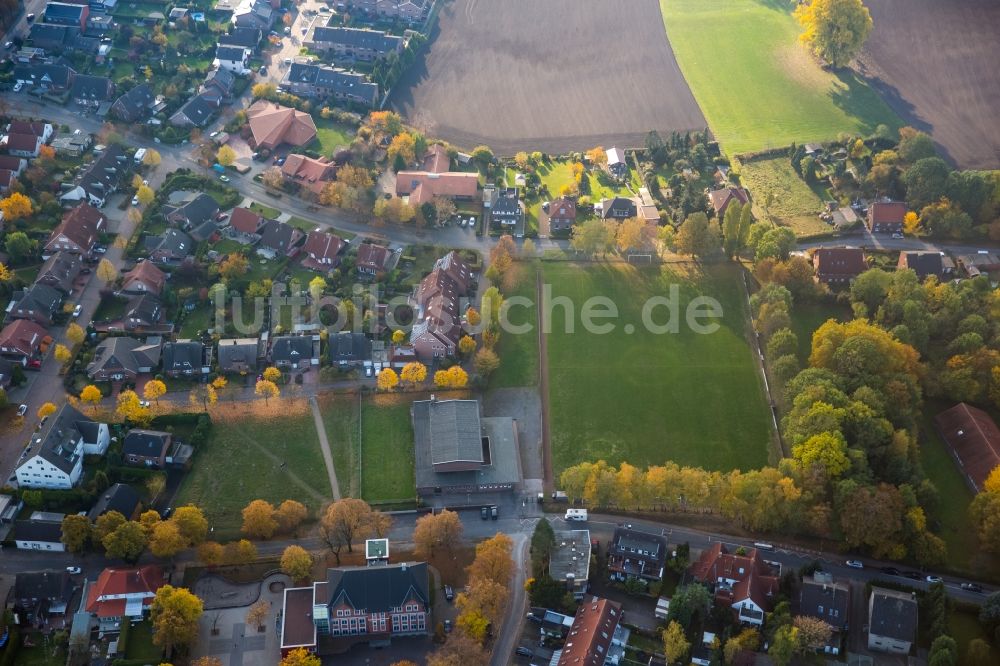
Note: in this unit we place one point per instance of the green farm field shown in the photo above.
(757, 86)
(696, 399)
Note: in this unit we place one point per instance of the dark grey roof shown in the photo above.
(144, 308)
(339, 81)
(134, 105)
(242, 36)
(221, 78)
(276, 235)
(893, 614)
(507, 204)
(54, 585)
(234, 53)
(40, 298)
(202, 232)
(825, 600)
(182, 355)
(122, 353)
(619, 207)
(106, 173)
(924, 263)
(61, 12)
(455, 431)
(300, 72)
(48, 33)
(147, 443)
(378, 589)
(347, 347)
(358, 38)
(60, 435)
(198, 210)
(175, 242)
(59, 271)
(635, 541)
(292, 348)
(57, 75)
(199, 110)
(119, 497)
(233, 354)
(96, 88)
(41, 531)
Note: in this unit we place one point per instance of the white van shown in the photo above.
(139, 155)
(760, 545)
(576, 514)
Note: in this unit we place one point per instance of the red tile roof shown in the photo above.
(436, 159)
(23, 335)
(146, 273)
(320, 245)
(22, 142)
(752, 576)
(143, 581)
(887, 213)
(722, 198)
(974, 439)
(373, 256)
(839, 262)
(272, 125)
(590, 636)
(81, 225)
(24, 127)
(245, 220)
(309, 172)
(423, 186)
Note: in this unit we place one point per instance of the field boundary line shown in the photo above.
(324, 446)
(284, 468)
(543, 386)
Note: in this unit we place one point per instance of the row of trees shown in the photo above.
(261, 519)
(128, 539)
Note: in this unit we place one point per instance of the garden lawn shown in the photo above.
(647, 398)
(387, 448)
(340, 420)
(757, 86)
(197, 320)
(140, 643)
(332, 135)
(519, 352)
(964, 627)
(256, 451)
(266, 211)
(794, 204)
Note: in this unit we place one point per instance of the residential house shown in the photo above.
(78, 232)
(123, 595)
(39, 129)
(742, 581)
(62, 13)
(54, 76)
(353, 43)
(245, 37)
(617, 166)
(410, 11)
(372, 259)
(308, 172)
(146, 448)
(197, 111)
(173, 247)
(592, 638)
(272, 125)
(24, 342)
(219, 86)
(258, 14)
(39, 303)
(38, 594)
(438, 313)
(135, 105)
(144, 278)
(569, 561)
(422, 186)
(720, 199)
(886, 217)
(892, 621)
(562, 214)
(825, 599)
(184, 358)
(51, 37)
(295, 351)
(58, 450)
(74, 145)
(92, 90)
(349, 350)
(15, 165)
(192, 213)
(143, 313)
(232, 58)
(7, 179)
(618, 208)
(636, 554)
(924, 264)
(246, 221)
(507, 211)
(279, 239)
(42, 531)
(371, 604)
(124, 359)
(324, 82)
(102, 178)
(436, 159)
(838, 265)
(23, 145)
(120, 497)
(60, 271)
(238, 355)
(322, 251)
(973, 439)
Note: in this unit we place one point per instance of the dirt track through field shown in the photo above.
(551, 75)
(935, 63)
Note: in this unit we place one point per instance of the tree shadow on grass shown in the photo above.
(859, 100)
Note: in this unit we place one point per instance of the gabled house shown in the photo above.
(349, 349)
(123, 595)
(886, 217)
(410, 11)
(42, 531)
(78, 232)
(353, 43)
(144, 278)
(279, 239)
(146, 448)
(358, 604)
(309, 172)
(192, 213)
(101, 179)
(924, 264)
(56, 76)
(257, 14)
(295, 351)
(51, 37)
(742, 581)
(60, 271)
(507, 210)
(124, 359)
(173, 247)
(636, 554)
(92, 90)
(39, 594)
(64, 13)
(372, 259)
(238, 355)
(595, 638)
(974, 440)
(246, 221)
(197, 111)
(322, 251)
(120, 497)
(59, 447)
(422, 186)
(135, 105)
(617, 166)
(24, 342)
(143, 313)
(892, 621)
(562, 214)
(39, 303)
(245, 37)
(232, 58)
(23, 144)
(838, 265)
(618, 208)
(16, 165)
(824, 599)
(324, 81)
(437, 309)
(720, 199)
(272, 125)
(218, 86)
(184, 358)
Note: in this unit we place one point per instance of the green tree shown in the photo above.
(835, 30)
(914, 145)
(731, 228)
(926, 181)
(675, 643)
(786, 644)
(696, 236)
(19, 246)
(76, 532)
(594, 237)
(689, 604)
(543, 540)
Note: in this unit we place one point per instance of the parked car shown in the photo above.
(135, 201)
(449, 593)
(73, 570)
(855, 564)
(484, 512)
(18, 86)
(897, 236)
(85, 270)
(29, 18)
(892, 571)
(77, 311)
(913, 575)
(22, 410)
(144, 403)
(214, 134)
(494, 511)
(447, 626)
(934, 579)
(972, 587)
(224, 178)
(263, 70)
(524, 652)
(100, 249)
(287, 61)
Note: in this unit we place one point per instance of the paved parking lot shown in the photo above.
(233, 641)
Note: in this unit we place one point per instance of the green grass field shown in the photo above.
(332, 135)
(795, 204)
(269, 453)
(757, 86)
(387, 448)
(648, 398)
(340, 419)
(519, 353)
(964, 627)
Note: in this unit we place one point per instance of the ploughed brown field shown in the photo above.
(935, 63)
(551, 75)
